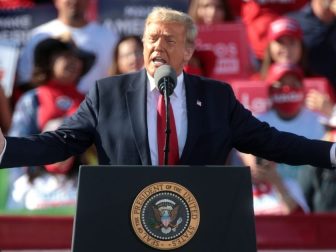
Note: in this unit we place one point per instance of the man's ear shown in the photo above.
(188, 53)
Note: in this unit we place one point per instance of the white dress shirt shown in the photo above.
(178, 102)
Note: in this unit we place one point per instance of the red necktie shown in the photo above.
(173, 157)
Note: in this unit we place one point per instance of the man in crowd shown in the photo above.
(87, 35)
(318, 21)
(119, 115)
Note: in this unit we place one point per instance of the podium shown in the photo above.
(155, 208)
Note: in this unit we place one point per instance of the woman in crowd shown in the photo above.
(285, 45)
(128, 56)
(207, 12)
(210, 11)
(58, 66)
(257, 16)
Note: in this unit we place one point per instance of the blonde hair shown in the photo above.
(168, 15)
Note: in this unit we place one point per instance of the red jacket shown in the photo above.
(257, 15)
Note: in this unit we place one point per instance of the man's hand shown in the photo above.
(2, 141)
(315, 100)
(333, 6)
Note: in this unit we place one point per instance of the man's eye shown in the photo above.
(171, 41)
(151, 39)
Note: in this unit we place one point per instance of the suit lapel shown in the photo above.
(136, 97)
(195, 114)
(137, 109)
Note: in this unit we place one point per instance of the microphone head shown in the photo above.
(165, 79)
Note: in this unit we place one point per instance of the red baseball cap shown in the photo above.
(284, 26)
(277, 71)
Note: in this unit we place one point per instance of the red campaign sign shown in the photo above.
(253, 94)
(317, 83)
(229, 43)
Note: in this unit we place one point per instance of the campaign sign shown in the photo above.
(16, 24)
(229, 43)
(317, 83)
(128, 17)
(253, 94)
(9, 52)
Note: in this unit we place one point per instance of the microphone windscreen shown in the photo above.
(165, 77)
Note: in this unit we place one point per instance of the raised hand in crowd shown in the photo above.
(320, 102)
(333, 6)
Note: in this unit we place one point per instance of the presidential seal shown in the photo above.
(165, 215)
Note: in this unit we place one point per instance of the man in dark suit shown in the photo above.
(119, 115)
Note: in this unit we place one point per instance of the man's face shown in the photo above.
(71, 9)
(165, 43)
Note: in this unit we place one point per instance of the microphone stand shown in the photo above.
(167, 130)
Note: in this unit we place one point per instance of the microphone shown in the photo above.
(165, 79)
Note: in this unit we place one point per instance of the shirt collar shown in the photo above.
(178, 89)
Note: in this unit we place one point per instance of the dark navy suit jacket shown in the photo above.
(113, 117)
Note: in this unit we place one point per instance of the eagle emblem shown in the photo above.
(161, 215)
(166, 213)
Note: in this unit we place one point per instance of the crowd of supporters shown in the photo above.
(288, 42)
